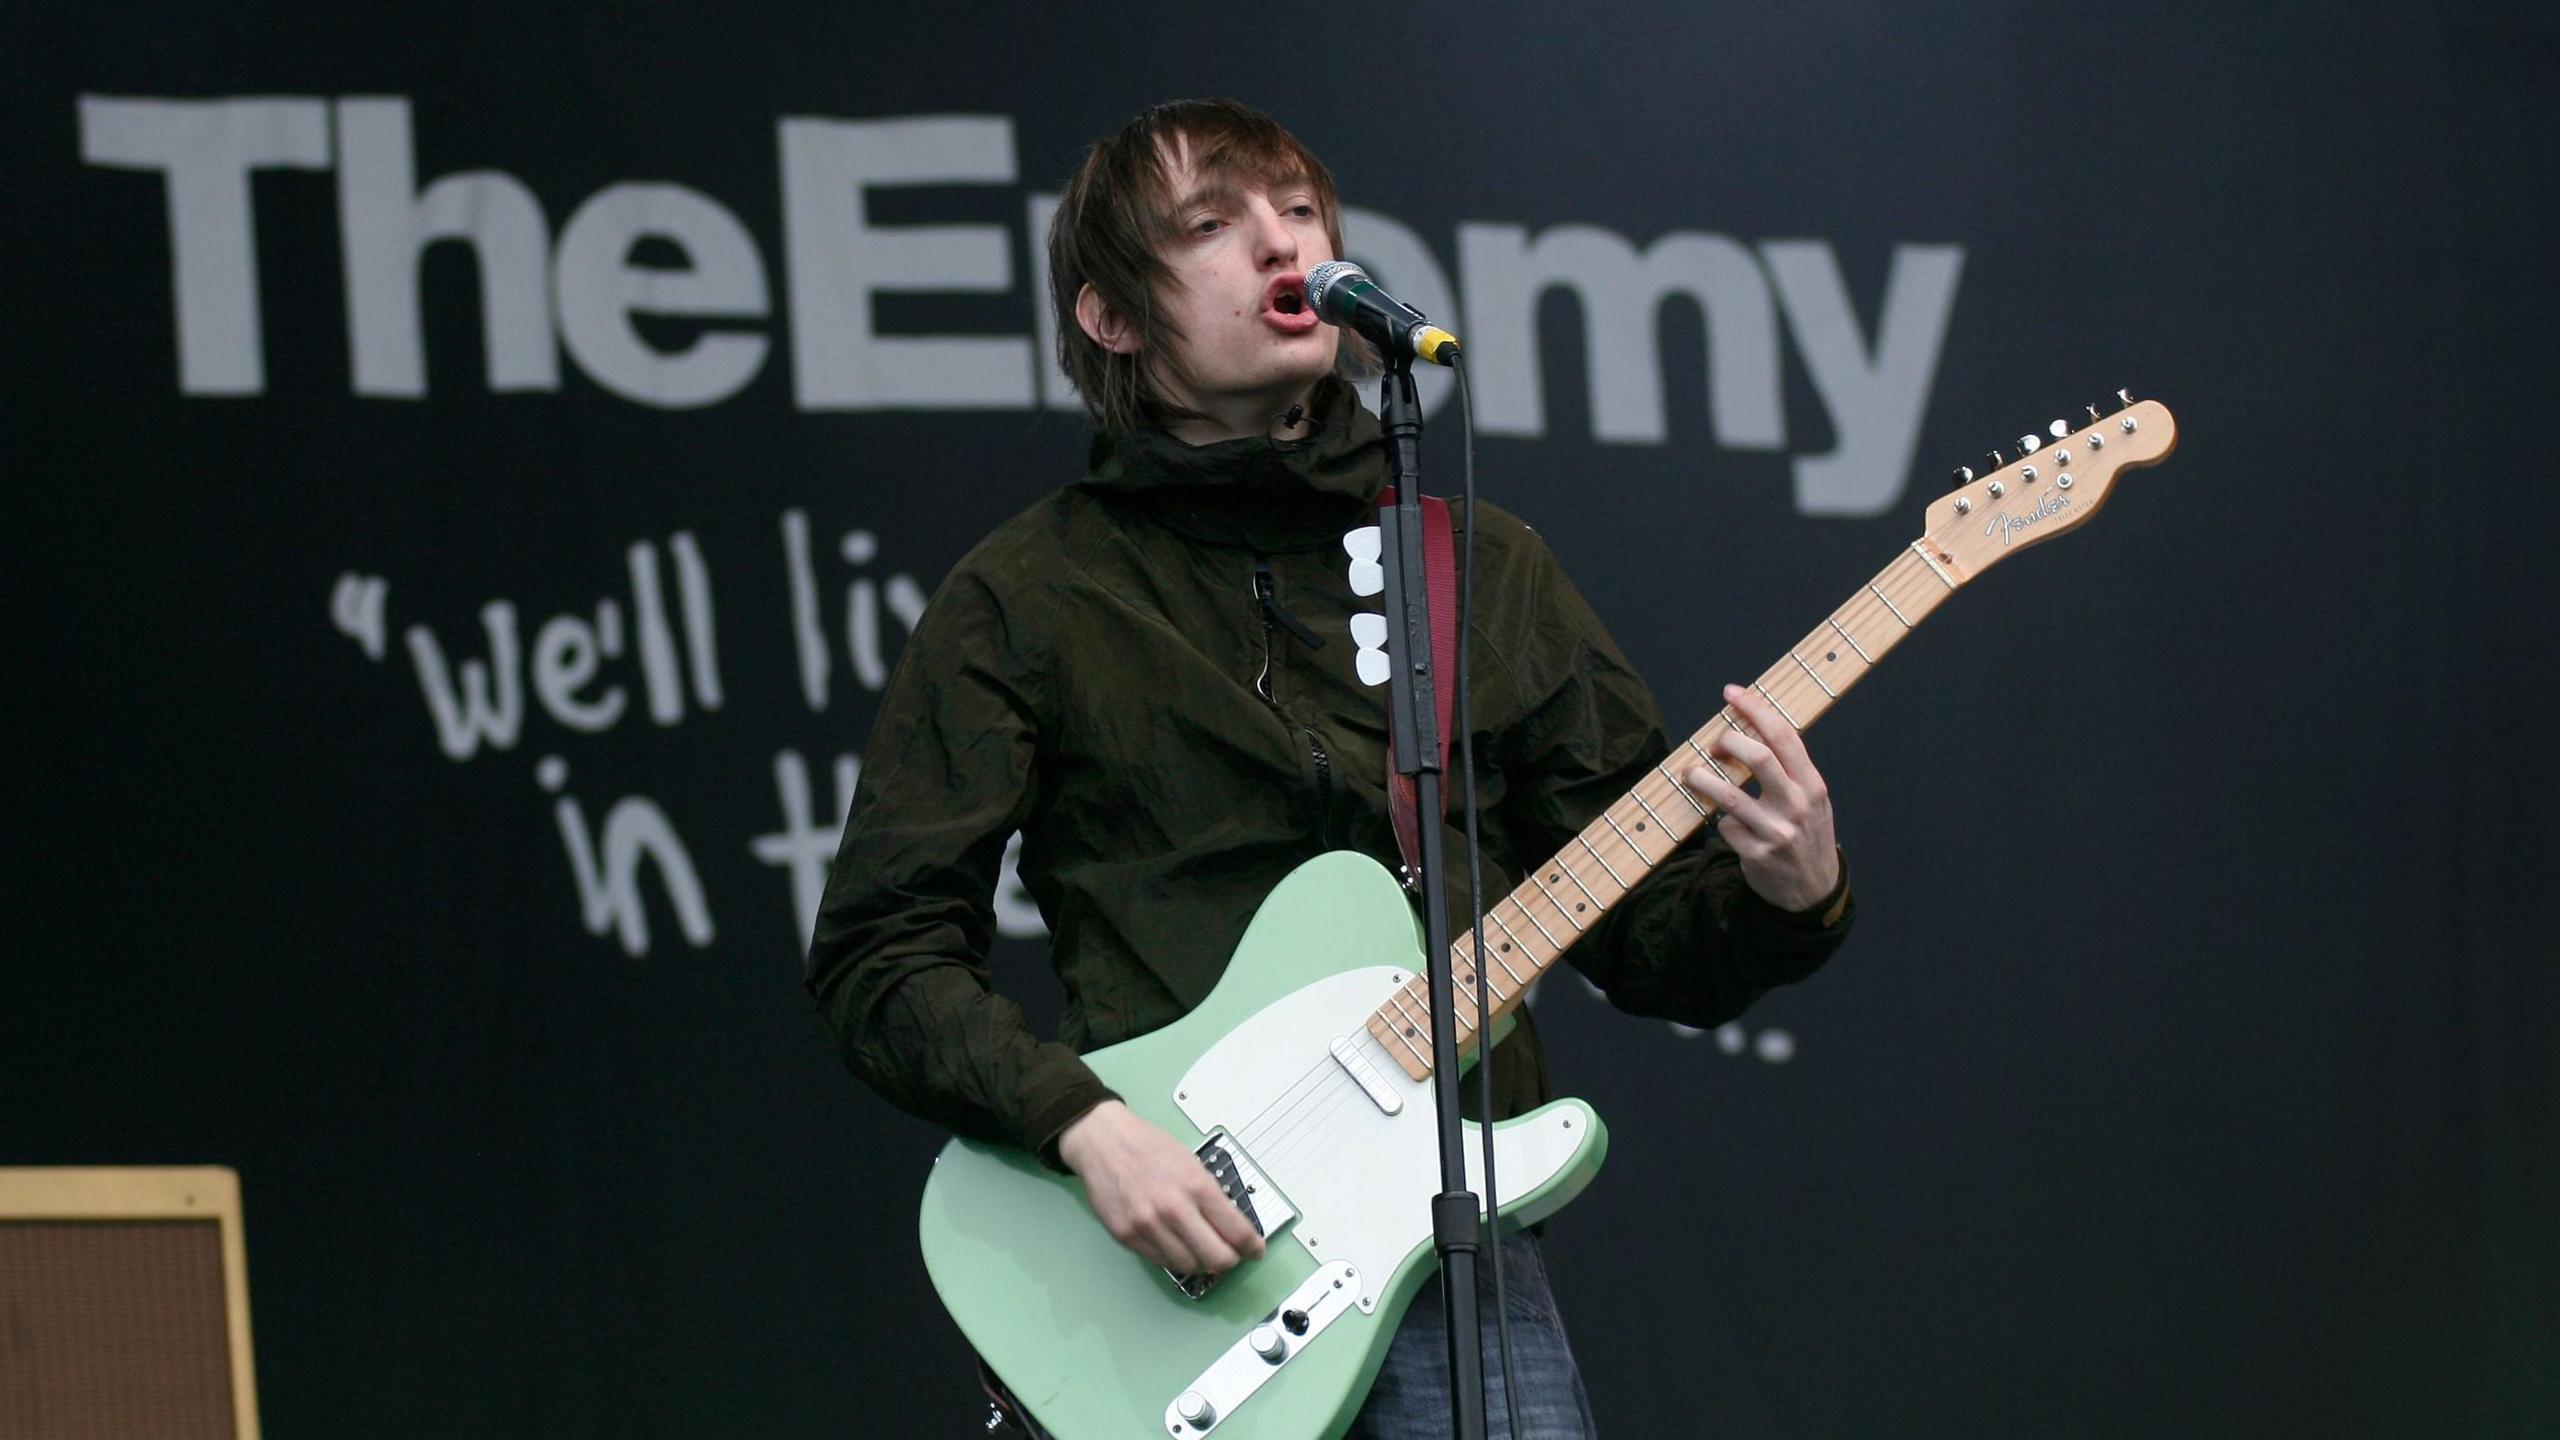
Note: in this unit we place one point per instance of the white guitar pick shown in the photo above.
(1369, 632)
(1362, 546)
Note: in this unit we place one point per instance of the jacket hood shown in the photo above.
(1255, 491)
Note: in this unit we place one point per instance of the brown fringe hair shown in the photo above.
(1117, 212)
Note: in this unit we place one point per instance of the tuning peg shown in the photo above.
(1996, 458)
(2027, 444)
(2094, 416)
(2059, 429)
(2124, 400)
(1962, 477)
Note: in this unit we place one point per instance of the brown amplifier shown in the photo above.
(124, 1305)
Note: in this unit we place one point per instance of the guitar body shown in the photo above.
(1097, 1342)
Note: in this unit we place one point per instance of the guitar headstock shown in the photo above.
(2056, 481)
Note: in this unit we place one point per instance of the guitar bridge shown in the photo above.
(1251, 1191)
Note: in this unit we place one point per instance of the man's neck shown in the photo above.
(1288, 422)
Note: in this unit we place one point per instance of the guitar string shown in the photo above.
(1259, 1137)
(1267, 1135)
(1324, 1128)
(1305, 1087)
(1263, 1131)
(1315, 1126)
(1292, 1145)
(1285, 1144)
(1280, 1153)
(1296, 1148)
(1276, 1153)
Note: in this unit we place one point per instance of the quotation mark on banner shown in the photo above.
(1368, 630)
(356, 607)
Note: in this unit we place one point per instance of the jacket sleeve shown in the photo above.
(1692, 943)
(898, 961)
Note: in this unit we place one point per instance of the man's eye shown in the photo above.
(1204, 227)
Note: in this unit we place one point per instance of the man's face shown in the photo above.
(1239, 249)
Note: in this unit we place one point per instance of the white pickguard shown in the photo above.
(1360, 1179)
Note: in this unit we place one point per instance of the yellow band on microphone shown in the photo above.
(1430, 340)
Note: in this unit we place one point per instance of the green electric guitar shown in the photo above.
(1304, 1080)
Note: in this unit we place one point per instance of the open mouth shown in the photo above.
(1286, 294)
(1284, 303)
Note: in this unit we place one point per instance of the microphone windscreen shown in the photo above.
(1323, 280)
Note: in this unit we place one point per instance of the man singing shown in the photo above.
(1149, 674)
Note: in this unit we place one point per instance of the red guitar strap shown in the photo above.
(1440, 579)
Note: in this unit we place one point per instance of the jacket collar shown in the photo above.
(1254, 492)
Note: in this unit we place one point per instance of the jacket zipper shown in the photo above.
(1263, 602)
(1324, 789)
(1274, 618)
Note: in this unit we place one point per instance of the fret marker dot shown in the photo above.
(1830, 654)
(1639, 827)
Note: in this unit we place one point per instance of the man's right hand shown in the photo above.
(1154, 1195)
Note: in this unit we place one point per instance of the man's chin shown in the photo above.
(1294, 381)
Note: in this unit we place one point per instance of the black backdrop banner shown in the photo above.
(471, 470)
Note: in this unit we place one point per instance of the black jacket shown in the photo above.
(1103, 674)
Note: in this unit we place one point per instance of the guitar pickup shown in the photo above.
(1368, 1077)
(1252, 1192)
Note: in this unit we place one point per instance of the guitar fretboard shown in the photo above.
(1531, 928)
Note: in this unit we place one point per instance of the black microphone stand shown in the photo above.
(1457, 1215)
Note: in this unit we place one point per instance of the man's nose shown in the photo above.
(1276, 239)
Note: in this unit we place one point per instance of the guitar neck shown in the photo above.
(1530, 929)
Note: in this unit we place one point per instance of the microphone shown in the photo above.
(1342, 293)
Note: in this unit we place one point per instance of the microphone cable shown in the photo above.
(1465, 726)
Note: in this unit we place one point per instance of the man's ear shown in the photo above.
(1103, 323)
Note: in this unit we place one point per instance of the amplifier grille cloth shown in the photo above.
(113, 1330)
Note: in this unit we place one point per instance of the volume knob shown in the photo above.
(1195, 1409)
(1266, 1342)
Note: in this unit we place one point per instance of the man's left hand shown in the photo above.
(1783, 834)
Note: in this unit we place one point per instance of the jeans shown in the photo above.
(1410, 1399)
